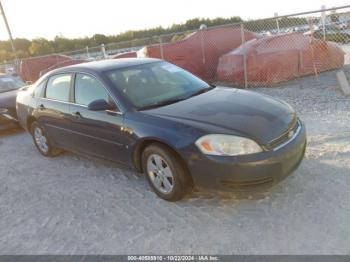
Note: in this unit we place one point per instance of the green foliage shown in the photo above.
(100, 39)
(59, 44)
(271, 24)
(41, 46)
(22, 44)
(176, 38)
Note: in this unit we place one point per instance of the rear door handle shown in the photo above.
(77, 114)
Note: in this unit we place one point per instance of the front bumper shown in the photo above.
(250, 172)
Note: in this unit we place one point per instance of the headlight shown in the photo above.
(227, 145)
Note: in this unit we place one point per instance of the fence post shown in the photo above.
(87, 52)
(323, 21)
(201, 29)
(161, 47)
(277, 23)
(244, 58)
(103, 50)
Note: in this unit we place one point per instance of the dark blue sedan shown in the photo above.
(163, 121)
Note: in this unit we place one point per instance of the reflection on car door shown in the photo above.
(96, 132)
(53, 110)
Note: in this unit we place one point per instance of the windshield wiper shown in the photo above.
(161, 103)
(178, 99)
(201, 91)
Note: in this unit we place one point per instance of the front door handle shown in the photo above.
(77, 114)
(41, 107)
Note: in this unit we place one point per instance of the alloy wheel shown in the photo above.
(160, 173)
(41, 140)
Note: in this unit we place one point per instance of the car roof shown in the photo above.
(105, 65)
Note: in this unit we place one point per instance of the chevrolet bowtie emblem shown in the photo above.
(290, 134)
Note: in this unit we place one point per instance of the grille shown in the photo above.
(294, 126)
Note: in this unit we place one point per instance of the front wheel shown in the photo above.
(42, 141)
(165, 173)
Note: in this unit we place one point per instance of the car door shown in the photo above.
(97, 133)
(53, 112)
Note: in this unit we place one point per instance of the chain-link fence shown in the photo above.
(289, 47)
(260, 52)
(263, 52)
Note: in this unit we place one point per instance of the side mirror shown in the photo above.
(100, 105)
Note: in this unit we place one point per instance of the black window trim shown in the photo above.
(43, 90)
(70, 87)
(72, 93)
(72, 90)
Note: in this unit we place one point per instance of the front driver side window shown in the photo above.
(88, 89)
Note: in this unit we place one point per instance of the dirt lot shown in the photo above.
(74, 205)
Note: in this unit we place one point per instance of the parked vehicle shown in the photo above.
(9, 86)
(200, 51)
(332, 33)
(274, 59)
(341, 25)
(163, 121)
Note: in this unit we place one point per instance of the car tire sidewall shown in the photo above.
(49, 152)
(182, 183)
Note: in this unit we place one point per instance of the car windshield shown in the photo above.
(8, 83)
(156, 84)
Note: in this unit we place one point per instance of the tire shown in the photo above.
(49, 150)
(157, 161)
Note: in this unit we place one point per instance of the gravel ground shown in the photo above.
(74, 205)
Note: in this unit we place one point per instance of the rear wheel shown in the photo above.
(43, 142)
(165, 173)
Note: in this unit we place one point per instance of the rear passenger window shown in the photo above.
(88, 89)
(58, 87)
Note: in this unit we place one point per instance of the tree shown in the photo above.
(4, 55)
(40, 46)
(62, 44)
(100, 39)
(22, 44)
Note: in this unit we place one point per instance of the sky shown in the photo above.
(79, 18)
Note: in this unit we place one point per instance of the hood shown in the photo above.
(8, 99)
(236, 111)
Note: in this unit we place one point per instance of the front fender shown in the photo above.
(150, 129)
